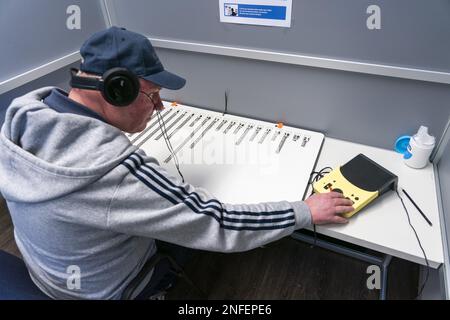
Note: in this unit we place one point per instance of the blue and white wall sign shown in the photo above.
(258, 12)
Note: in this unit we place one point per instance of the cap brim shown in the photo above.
(166, 79)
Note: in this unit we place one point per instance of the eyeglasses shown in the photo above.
(151, 95)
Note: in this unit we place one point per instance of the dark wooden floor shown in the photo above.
(6, 231)
(286, 269)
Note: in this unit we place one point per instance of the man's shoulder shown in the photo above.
(32, 99)
(36, 95)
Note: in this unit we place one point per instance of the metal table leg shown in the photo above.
(384, 276)
(382, 262)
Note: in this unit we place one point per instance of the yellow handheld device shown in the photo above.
(361, 180)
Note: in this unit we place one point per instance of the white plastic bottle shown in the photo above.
(419, 149)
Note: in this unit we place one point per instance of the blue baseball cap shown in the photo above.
(118, 47)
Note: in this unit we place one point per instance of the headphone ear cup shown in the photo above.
(120, 87)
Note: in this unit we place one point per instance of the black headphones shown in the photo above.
(118, 86)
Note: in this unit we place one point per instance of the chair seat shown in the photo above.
(15, 282)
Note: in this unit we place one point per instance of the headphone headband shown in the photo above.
(87, 83)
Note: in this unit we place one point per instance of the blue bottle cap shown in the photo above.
(401, 144)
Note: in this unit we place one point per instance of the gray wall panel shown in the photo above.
(59, 78)
(33, 33)
(444, 180)
(414, 33)
(373, 110)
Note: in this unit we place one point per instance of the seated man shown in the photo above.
(86, 203)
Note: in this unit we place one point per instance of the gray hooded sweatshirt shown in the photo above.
(85, 201)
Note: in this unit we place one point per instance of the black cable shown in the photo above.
(314, 177)
(420, 245)
(226, 103)
(317, 175)
(162, 127)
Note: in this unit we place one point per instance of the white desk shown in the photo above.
(383, 225)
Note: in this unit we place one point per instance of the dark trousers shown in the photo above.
(164, 276)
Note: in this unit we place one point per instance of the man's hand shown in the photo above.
(327, 207)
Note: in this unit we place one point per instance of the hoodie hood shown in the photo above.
(40, 154)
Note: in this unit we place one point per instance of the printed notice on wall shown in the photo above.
(260, 12)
